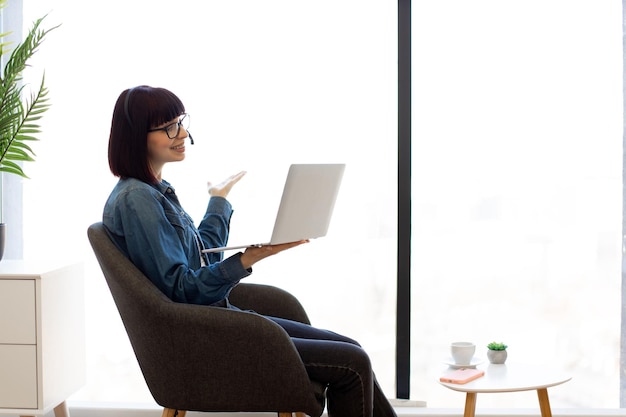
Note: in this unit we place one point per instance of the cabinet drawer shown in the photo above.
(18, 376)
(17, 311)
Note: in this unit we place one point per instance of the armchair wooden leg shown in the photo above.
(170, 412)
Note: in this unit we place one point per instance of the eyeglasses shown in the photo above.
(172, 130)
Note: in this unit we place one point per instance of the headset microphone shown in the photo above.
(190, 138)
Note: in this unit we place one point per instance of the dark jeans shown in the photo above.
(341, 363)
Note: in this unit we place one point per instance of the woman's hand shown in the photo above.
(254, 255)
(223, 188)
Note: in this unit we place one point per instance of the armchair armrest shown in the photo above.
(269, 301)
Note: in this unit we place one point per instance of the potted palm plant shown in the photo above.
(20, 110)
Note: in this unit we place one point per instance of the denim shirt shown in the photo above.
(148, 224)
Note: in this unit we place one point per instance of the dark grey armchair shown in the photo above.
(200, 358)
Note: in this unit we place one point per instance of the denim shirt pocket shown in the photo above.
(183, 224)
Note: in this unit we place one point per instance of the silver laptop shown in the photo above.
(306, 206)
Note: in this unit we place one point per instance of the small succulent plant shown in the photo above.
(496, 346)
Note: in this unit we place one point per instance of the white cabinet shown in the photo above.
(42, 336)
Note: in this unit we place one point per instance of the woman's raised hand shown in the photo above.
(223, 188)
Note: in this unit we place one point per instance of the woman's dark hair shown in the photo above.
(137, 110)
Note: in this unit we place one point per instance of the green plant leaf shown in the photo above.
(496, 346)
(19, 117)
(12, 168)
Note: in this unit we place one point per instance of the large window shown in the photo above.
(517, 179)
(517, 168)
(267, 84)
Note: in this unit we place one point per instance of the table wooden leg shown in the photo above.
(544, 402)
(470, 404)
(61, 410)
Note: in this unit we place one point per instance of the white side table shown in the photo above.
(511, 378)
(42, 336)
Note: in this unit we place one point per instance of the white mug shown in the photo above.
(462, 352)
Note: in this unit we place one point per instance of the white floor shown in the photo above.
(404, 409)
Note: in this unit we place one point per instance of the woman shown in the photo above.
(146, 221)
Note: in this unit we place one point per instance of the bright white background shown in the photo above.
(517, 172)
(266, 84)
(516, 168)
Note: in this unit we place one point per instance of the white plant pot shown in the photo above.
(496, 356)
